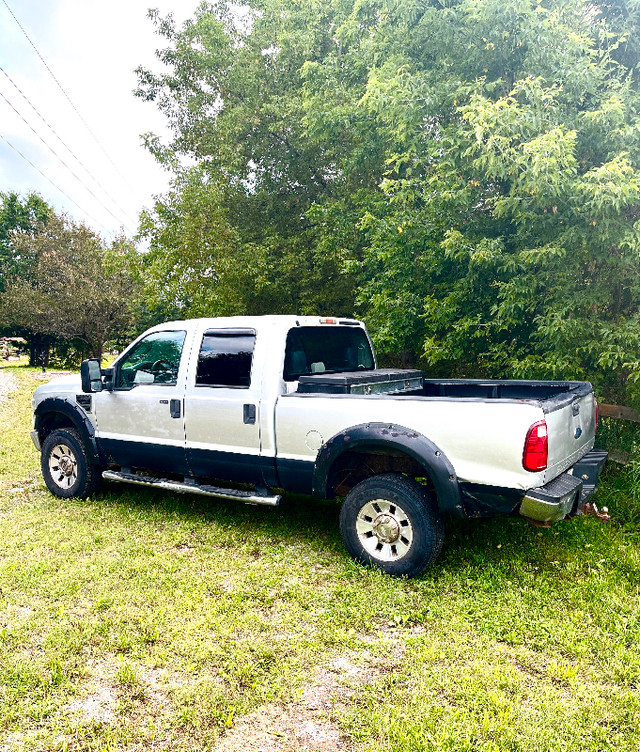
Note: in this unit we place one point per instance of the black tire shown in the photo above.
(392, 522)
(66, 467)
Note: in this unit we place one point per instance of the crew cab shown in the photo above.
(250, 407)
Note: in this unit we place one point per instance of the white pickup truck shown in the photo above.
(245, 407)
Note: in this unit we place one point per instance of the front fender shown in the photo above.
(384, 435)
(51, 406)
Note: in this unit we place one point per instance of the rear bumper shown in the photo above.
(567, 494)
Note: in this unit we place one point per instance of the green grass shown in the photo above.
(144, 620)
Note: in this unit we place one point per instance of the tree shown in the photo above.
(508, 242)
(521, 159)
(77, 289)
(464, 174)
(19, 216)
(233, 98)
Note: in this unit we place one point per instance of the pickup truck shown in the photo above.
(248, 407)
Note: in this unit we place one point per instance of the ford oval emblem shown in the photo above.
(578, 433)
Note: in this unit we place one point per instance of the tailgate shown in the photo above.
(571, 424)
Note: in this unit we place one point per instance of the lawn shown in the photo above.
(143, 620)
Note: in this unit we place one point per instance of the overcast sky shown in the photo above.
(92, 47)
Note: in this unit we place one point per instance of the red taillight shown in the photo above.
(536, 448)
(595, 404)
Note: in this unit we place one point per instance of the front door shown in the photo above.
(141, 422)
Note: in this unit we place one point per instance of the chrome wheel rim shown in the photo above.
(384, 530)
(63, 466)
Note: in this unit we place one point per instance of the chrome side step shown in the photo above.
(173, 485)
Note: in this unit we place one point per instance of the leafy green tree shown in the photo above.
(76, 289)
(233, 97)
(508, 242)
(464, 174)
(19, 216)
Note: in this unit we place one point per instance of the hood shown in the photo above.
(60, 386)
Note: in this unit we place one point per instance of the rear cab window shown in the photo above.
(326, 349)
(225, 358)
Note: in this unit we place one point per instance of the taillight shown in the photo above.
(536, 448)
(595, 428)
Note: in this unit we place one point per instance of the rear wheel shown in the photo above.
(66, 467)
(393, 523)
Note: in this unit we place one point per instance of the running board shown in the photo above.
(173, 485)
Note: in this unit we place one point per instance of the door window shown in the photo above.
(154, 360)
(225, 359)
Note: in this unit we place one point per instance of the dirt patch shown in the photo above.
(274, 729)
(97, 707)
(111, 682)
(306, 726)
(98, 704)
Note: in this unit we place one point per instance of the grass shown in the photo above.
(145, 620)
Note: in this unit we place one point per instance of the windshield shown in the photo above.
(326, 349)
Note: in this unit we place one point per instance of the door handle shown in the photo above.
(249, 414)
(175, 409)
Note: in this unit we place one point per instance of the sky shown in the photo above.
(92, 47)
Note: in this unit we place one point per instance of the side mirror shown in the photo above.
(91, 375)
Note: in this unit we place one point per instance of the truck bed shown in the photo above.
(479, 424)
(550, 395)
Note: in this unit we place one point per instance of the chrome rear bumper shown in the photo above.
(566, 494)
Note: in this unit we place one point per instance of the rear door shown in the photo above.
(222, 407)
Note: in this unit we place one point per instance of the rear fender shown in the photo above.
(393, 437)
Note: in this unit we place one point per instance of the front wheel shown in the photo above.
(393, 523)
(66, 468)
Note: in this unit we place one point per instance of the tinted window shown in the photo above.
(326, 349)
(154, 360)
(225, 359)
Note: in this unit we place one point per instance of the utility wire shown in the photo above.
(62, 162)
(46, 177)
(75, 109)
(68, 148)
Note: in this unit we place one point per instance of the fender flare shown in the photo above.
(385, 435)
(76, 415)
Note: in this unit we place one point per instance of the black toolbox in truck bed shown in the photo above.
(380, 381)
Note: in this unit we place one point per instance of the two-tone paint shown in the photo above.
(269, 435)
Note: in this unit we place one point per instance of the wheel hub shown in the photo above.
(66, 465)
(386, 528)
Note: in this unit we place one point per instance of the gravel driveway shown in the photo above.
(8, 383)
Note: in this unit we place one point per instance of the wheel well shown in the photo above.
(353, 466)
(51, 421)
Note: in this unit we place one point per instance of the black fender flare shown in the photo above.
(76, 415)
(435, 463)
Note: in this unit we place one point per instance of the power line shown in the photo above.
(59, 158)
(75, 109)
(46, 177)
(68, 148)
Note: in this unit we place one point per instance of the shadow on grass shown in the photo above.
(510, 544)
